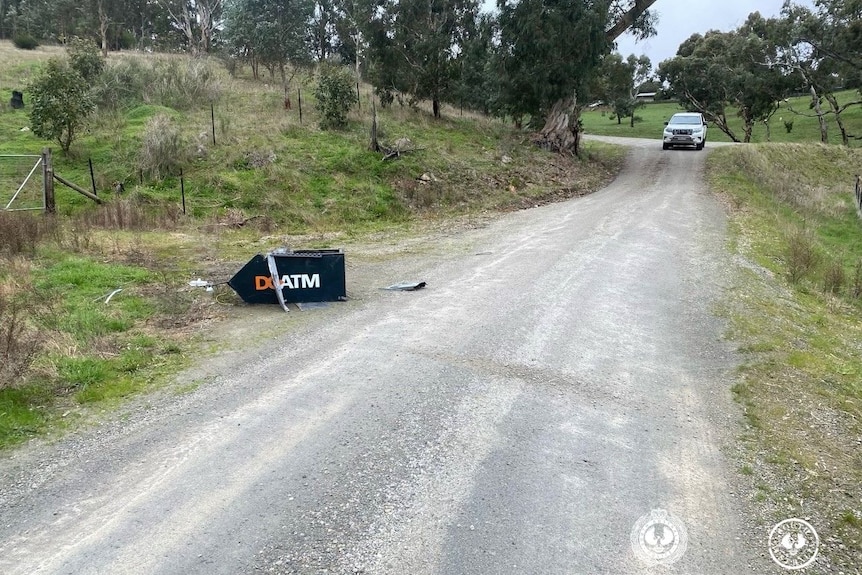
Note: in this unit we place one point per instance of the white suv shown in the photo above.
(685, 129)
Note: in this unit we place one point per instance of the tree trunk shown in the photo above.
(747, 125)
(103, 28)
(562, 131)
(815, 99)
(837, 110)
(373, 145)
(435, 104)
(747, 128)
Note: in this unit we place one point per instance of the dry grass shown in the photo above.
(21, 232)
(822, 185)
(20, 341)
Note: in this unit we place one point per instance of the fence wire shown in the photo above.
(21, 182)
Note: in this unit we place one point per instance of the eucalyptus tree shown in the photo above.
(196, 19)
(549, 54)
(823, 50)
(725, 72)
(413, 47)
(272, 33)
(475, 86)
(619, 81)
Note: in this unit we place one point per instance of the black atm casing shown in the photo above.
(327, 264)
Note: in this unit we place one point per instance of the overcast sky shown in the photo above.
(679, 19)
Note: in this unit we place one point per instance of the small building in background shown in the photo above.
(646, 96)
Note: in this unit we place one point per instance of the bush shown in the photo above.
(85, 58)
(168, 82)
(162, 149)
(126, 40)
(25, 42)
(122, 83)
(60, 103)
(834, 278)
(801, 256)
(182, 85)
(335, 94)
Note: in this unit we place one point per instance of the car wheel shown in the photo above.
(665, 146)
(698, 147)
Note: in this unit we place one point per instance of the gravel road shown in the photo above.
(562, 376)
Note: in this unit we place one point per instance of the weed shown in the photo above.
(19, 340)
(856, 281)
(850, 517)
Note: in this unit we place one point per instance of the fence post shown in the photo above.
(299, 103)
(859, 195)
(183, 190)
(48, 181)
(212, 119)
(93, 177)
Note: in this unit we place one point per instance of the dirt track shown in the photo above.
(561, 377)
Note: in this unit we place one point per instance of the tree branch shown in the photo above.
(626, 20)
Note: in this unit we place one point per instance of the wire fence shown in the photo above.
(21, 182)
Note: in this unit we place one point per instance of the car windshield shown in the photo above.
(686, 120)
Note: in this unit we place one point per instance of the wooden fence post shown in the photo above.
(859, 195)
(48, 181)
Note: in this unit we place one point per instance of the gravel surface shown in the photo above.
(561, 377)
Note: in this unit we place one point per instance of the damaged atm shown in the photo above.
(285, 276)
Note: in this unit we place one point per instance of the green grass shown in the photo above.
(801, 385)
(653, 115)
(94, 353)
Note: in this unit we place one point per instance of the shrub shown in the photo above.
(182, 85)
(25, 42)
(162, 149)
(121, 83)
(834, 278)
(335, 95)
(60, 103)
(788, 125)
(168, 82)
(85, 58)
(801, 256)
(126, 40)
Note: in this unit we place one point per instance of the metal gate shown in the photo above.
(22, 182)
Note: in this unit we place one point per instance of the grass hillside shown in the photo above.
(805, 126)
(797, 312)
(73, 345)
